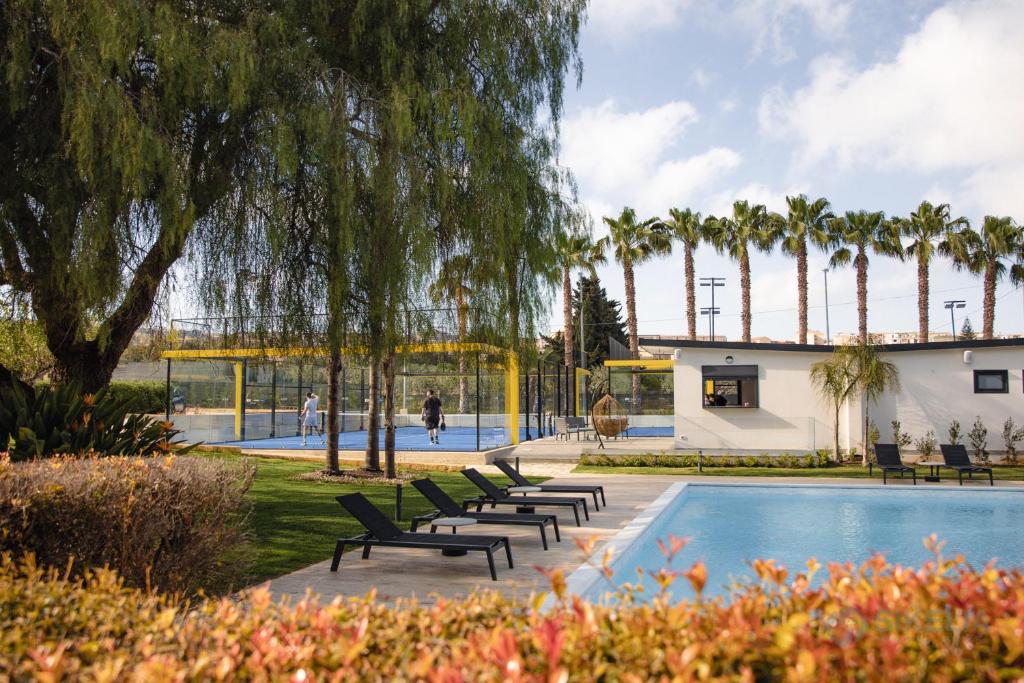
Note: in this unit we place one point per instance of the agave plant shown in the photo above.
(61, 419)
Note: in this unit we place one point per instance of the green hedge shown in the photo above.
(142, 397)
(787, 460)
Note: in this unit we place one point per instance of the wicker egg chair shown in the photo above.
(610, 416)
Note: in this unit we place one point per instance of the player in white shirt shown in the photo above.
(310, 417)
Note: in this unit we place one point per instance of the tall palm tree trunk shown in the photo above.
(567, 317)
(372, 460)
(388, 372)
(990, 300)
(745, 295)
(691, 295)
(801, 286)
(862, 294)
(634, 339)
(922, 299)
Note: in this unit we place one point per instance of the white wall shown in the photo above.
(789, 416)
(936, 387)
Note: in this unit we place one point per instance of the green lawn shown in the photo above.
(846, 471)
(295, 523)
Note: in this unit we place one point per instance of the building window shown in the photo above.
(991, 382)
(729, 386)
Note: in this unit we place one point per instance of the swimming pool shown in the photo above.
(731, 525)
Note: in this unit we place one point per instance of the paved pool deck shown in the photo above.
(402, 573)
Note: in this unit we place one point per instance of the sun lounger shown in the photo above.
(956, 458)
(889, 460)
(447, 507)
(495, 496)
(520, 480)
(382, 532)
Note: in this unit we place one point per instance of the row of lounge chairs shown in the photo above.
(954, 457)
(382, 532)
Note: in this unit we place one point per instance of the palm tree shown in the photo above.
(687, 227)
(452, 284)
(857, 233)
(576, 251)
(987, 253)
(634, 243)
(848, 370)
(749, 226)
(806, 222)
(925, 226)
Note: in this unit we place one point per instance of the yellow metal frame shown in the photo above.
(648, 364)
(239, 397)
(289, 351)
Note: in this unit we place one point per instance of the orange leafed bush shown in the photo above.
(876, 622)
(173, 523)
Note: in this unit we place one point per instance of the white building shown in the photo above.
(754, 398)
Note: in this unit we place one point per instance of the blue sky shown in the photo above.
(874, 104)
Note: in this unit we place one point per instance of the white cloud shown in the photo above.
(626, 157)
(771, 22)
(702, 77)
(952, 98)
(997, 190)
(619, 20)
(755, 193)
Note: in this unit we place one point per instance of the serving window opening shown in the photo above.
(729, 386)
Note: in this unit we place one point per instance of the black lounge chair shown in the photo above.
(382, 532)
(956, 458)
(495, 496)
(447, 507)
(889, 460)
(520, 480)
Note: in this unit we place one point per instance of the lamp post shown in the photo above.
(953, 304)
(828, 332)
(711, 311)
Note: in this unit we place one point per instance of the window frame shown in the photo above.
(735, 373)
(1004, 375)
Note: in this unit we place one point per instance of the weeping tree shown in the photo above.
(125, 128)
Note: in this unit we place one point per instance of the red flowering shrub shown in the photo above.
(876, 622)
(173, 523)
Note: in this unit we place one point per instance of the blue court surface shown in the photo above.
(415, 439)
(406, 439)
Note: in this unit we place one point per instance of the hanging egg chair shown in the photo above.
(610, 417)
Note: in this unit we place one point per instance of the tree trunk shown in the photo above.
(835, 435)
(864, 433)
(388, 372)
(567, 331)
(922, 299)
(333, 373)
(691, 296)
(745, 295)
(801, 288)
(634, 339)
(990, 300)
(372, 459)
(861, 262)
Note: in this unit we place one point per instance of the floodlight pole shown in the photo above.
(712, 282)
(950, 305)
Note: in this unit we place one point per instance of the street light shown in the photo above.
(711, 311)
(828, 332)
(952, 304)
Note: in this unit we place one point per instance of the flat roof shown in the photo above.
(828, 348)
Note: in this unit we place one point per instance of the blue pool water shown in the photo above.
(729, 526)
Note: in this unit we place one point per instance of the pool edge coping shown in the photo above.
(586, 575)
